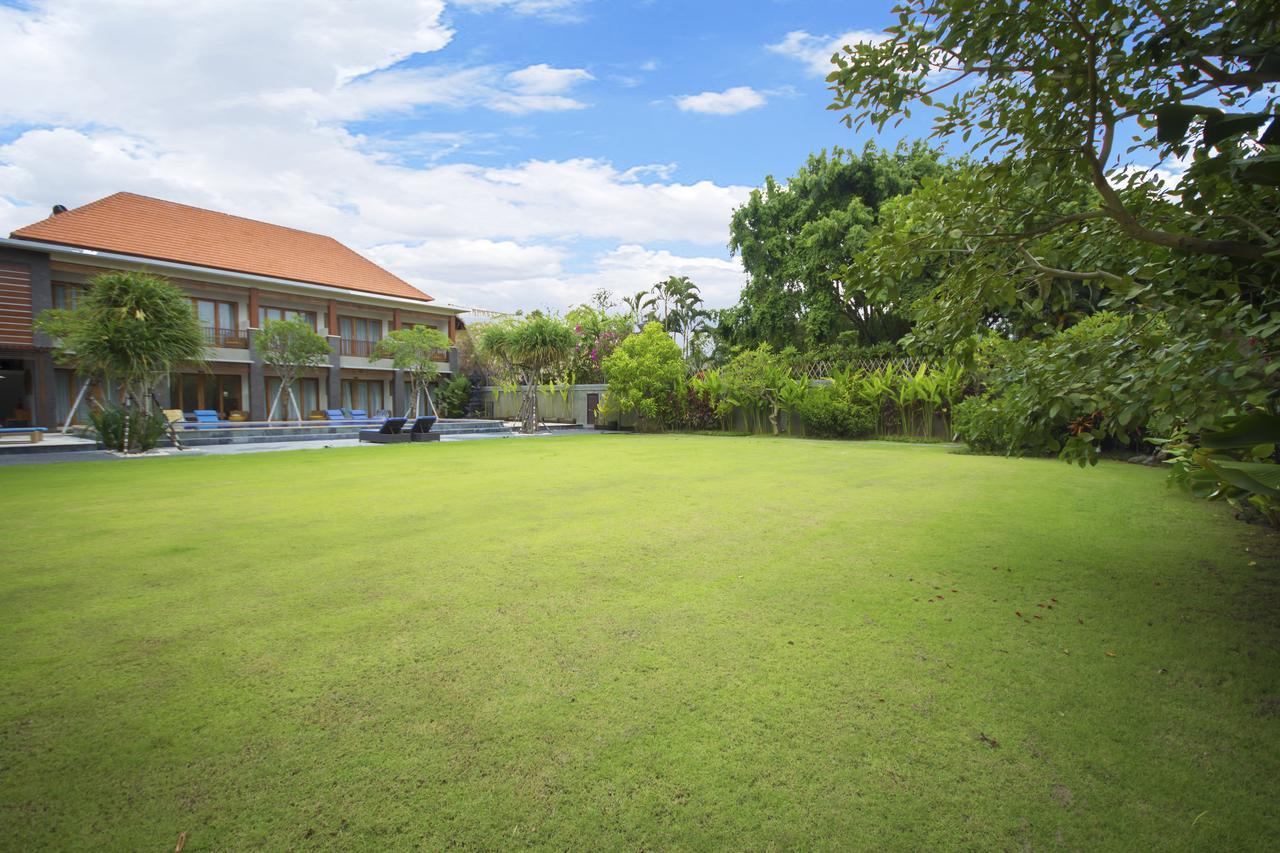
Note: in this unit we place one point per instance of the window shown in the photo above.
(66, 296)
(191, 391)
(358, 335)
(307, 392)
(366, 394)
(219, 320)
(265, 314)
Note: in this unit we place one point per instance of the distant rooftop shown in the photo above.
(146, 227)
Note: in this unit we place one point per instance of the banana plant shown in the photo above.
(874, 389)
(791, 394)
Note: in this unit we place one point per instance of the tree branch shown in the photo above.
(1094, 275)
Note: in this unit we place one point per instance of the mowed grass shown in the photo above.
(632, 642)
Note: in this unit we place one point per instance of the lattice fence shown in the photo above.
(823, 369)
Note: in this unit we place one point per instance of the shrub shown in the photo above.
(144, 429)
(453, 396)
(646, 376)
(827, 414)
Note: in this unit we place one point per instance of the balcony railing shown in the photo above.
(353, 346)
(364, 349)
(234, 338)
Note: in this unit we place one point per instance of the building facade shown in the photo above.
(238, 273)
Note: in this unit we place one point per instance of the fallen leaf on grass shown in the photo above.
(1111, 654)
(989, 741)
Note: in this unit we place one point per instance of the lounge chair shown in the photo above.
(335, 414)
(421, 430)
(391, 432)
(34, 434)
(207, 419)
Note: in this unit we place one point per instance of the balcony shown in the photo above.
(356, 347)
(232, 338)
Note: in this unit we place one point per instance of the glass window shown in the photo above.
(265, 314)
(66, 296)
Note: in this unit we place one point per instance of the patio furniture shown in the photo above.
(421, 430)
(335, 414)
(35, 434)
(391, 432)
(207, 419)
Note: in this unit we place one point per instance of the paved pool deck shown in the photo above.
(268, 447)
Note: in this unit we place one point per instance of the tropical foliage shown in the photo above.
(646, 376)
(129, 330)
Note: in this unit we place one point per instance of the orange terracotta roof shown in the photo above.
(164, 230)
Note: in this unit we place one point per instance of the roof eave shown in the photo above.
(81, 253)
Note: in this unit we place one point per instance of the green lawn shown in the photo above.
(632, 642)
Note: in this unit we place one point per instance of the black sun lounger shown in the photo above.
(421, 430)
(391, 432)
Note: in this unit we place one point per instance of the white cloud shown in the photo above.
(816, 51)
(542, 79)
(238, 106)
(730, 101)
(522, 277)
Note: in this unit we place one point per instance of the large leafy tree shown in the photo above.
(415, 351)
(797, 240)
(130, 329)
(1067, 84)
(1073, 111)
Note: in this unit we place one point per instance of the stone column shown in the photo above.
(335, 372)
(399, 399)
(257, 383)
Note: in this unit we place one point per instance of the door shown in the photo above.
(593, 400)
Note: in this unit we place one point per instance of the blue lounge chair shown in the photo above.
(207, 419)
(391, 432)
(34, 434)
(421, 430)
(335, 414)
(359, 415)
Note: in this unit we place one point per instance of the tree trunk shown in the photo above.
(294, 400)
(84, 388)
(275, 401)
(128, 412)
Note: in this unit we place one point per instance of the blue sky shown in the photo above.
(496, 153)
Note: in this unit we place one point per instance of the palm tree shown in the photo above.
(637, 306)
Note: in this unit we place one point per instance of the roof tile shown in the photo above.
(132, 224)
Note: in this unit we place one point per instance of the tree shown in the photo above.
(289, 347)
(598, 333)
(130, 329)
(415, 351)
(798, 239)
(1054, 202)
(640, 307)
(527, 350)
(1059, 82)
(646, 376)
